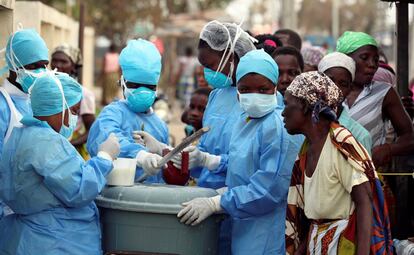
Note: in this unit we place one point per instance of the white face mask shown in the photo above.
(257, 105)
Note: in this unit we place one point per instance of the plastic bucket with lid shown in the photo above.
(123, 173)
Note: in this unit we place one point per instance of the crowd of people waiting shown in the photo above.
(297, 145)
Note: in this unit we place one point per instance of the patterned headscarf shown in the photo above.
(319, 91)
(72, 52)
(351, 41)
(312, 55)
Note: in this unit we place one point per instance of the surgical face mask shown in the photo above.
(26, 78)
(217, 79)
(257, 105)
(140, 99)
(68, 131)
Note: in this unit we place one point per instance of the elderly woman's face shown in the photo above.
(367, 60)
(62, 63)
(294, 114)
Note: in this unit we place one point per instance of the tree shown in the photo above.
(116, 19)
(315, 15)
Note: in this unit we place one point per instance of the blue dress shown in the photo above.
(51, 189)
(117, 118)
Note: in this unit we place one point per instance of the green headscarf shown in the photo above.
(351, 41)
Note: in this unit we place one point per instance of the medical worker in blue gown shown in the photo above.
(46, 182)
(220, 48)
(140, 62)
(26, 55)
(258, 165)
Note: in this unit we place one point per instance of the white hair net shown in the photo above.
(227, 37)
(219, 36)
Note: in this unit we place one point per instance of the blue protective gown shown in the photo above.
(51, 190)
(220, 115)
(22, 103)
(260, 162)
(119, 119)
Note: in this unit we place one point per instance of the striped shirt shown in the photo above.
(367, 110)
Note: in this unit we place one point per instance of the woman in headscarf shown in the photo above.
(373, 103)
(341, 69)
(68, 59)
(334, 195)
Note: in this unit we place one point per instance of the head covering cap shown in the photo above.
(312, 55)
(72, 52)
(319, 92)
(220, 36)
(140, 62)
(337, 59)
(52, 93)
(351, 41)
(71, 88)
(258, 61)
(25, 47)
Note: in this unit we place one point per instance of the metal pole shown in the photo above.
(81, 32)
(335, 19)
(402, 48)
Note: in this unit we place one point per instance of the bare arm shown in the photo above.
(362, 197)
(393, 109)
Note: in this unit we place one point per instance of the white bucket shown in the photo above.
(123, 173)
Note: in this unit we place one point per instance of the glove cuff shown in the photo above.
(140, 156)
(212, 161)
(105, 155)
(216, 203)
(222, 190)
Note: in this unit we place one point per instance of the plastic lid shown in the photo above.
(151, 198)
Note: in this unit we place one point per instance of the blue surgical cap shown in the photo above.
(25, 47)
(258, 61)
(71, 88)
(140, 62)
(46, 96)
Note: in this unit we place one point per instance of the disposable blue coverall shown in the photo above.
(260, 162)
(22, 103)
(119, 119)
(51, 190)
(220, 115)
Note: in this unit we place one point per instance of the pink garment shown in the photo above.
(383, 75)
(111, 62)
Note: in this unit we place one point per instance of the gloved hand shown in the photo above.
(198, 158)
(148, 162)
(111, 146)
(152, 144)
(198, 209)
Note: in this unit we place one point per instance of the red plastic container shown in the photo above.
(173, 175)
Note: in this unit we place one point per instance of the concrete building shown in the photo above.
(55, 28)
